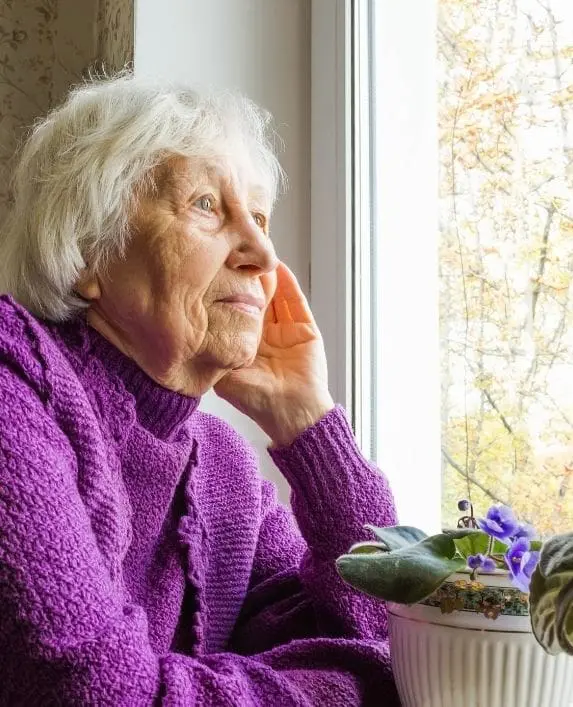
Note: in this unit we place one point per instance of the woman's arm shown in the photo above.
(67, 635)
(295, 589)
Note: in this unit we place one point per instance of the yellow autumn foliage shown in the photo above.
(506, 257)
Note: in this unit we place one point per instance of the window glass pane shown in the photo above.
(505, 97)
(405, 390)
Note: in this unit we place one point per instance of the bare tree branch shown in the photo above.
(473, 480)
(542, 260)
(502, 417)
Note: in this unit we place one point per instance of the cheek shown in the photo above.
(127, 288)
(198, 275)
(201, 269)
(192, 245)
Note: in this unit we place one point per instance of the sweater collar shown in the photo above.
(159, 410)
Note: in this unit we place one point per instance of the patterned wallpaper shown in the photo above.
(115, 34)
(45, 46)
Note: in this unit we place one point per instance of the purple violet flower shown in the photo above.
(525, 530)
(481, 562)
(521, 562)
(499, 523)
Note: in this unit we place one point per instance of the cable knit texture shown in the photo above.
(143, 560)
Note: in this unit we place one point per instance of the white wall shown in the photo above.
(262, 48)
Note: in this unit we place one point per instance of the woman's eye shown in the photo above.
(260, 220)
(205, 203)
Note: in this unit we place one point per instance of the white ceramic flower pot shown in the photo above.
(472, 647)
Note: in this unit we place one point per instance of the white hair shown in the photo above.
(82, 167)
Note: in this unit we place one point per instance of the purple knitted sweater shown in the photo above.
(143, 561)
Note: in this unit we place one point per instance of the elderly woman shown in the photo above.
(142, 559)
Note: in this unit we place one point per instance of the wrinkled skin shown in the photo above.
(199, 237)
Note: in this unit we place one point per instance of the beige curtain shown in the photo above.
(46, 46)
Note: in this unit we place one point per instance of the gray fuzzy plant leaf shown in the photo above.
(397, 536)
(405, 575)
(557, 555)
(564, 618)
(367, 547)
(551, 596)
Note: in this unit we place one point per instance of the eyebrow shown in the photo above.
(203, 174)
(258, 190)
(260, 194)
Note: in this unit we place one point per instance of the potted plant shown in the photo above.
(458, 611)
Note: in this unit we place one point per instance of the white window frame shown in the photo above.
(349, 228)
(331, 190)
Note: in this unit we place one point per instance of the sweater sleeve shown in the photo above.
(295, 589)
(69, 637)
(335, 492)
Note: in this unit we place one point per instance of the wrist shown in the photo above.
(287, 422)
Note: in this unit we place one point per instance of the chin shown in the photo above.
(237, 358)
(245, 363)
(238, 349)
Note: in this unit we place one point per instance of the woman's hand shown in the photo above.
(285, 390)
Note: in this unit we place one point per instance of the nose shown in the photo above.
(252, 250)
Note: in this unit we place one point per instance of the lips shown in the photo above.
(245, 302)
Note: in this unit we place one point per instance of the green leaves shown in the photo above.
(477, 542)
(551, 595)
(411, 568)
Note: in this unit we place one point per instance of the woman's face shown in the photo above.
(187, 301)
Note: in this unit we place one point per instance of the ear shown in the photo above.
(88, 286)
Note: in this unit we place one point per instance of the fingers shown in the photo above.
(289, 300)
(270, 314)
(282, 309)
